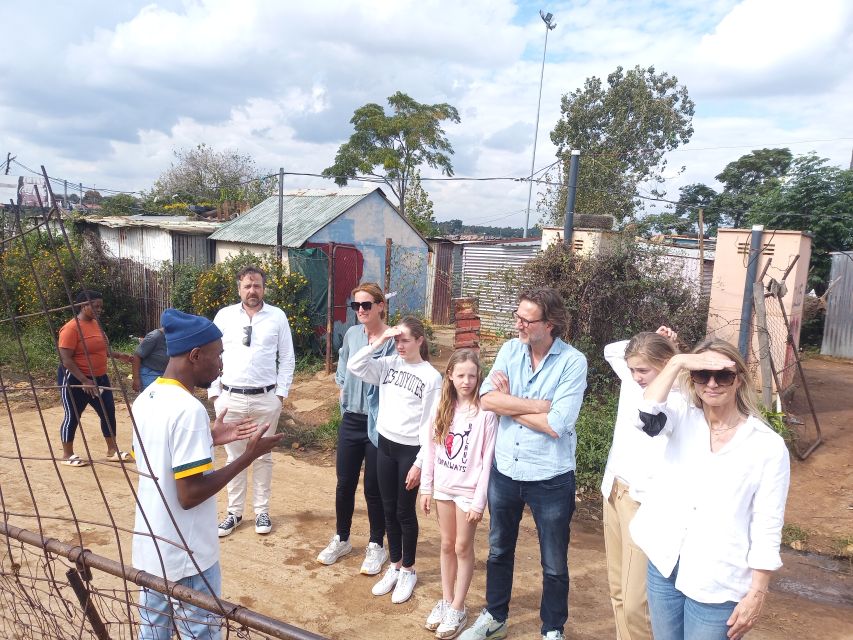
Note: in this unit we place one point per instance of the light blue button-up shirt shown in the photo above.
(520, 452)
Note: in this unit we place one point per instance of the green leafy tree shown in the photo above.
(418, 207)
(685, 218)
(92, 197)
(203, 175)
(391, 147)
(748, 179)
(815, 197)
(623, 130)
(122, 204)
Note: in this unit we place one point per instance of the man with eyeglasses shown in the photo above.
(257, 371)
(536, 386)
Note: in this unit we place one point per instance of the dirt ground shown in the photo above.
(278, 575)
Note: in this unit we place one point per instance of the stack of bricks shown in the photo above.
(467, 324)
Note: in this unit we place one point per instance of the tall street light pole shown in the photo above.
(549, 26)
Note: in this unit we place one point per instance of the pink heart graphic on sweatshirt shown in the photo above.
(454, 442)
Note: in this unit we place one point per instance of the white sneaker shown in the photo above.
(335, 551)
(374, 558)
(387, 582)
(485, 627)
(437, 615)
(553, 635)
(452, 624)
(405, 585)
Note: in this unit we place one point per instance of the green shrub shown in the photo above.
(595, 434)
(615, 295)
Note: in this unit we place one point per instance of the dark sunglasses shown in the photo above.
(247, 336)
(367, 306)
(723, 378)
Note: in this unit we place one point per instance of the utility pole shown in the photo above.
(569, 218)
(549, 26)
(66, 194)
(701, 248)
(280, 228)
(9, 158)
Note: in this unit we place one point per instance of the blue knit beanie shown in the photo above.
(185, 332)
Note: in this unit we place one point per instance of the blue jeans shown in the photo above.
(147, 375)
(160, 617)
(677, 617)
(552, 503)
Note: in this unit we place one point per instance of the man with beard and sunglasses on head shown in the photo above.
(176, 510)
(258, 364)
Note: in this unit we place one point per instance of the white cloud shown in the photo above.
(103, 94)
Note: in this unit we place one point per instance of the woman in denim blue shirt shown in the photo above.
(357, 437)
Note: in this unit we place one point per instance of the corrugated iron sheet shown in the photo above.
(838, 327)
(304, 212)
(192, 249)
(488, 274)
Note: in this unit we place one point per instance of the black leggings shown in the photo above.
(354, 447)
(75, 400)
(393, 463)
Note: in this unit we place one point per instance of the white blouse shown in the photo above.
(718, 515)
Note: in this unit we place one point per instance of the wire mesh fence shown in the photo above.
(66, 565)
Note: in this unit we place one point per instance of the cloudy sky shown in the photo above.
(102, 92)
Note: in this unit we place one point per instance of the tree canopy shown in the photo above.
(749, 178)
(623, 130)
(203, 175)
(814, 197)
(391, 147)
(418, 207)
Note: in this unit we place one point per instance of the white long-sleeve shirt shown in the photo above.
(269, 358)
(407, 392)
(634, 456)
(719, 515)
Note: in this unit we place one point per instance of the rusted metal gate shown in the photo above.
(442, 291)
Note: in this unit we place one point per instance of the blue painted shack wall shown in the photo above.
(366, 226)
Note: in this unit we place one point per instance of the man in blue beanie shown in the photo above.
(173, 443)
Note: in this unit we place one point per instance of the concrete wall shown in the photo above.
(225, 250)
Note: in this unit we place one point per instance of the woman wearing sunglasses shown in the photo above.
(711, 522)
(357, 436)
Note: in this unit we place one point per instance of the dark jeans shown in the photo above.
(552, 503)
(75, 400)
(354, 447)
(393, 463)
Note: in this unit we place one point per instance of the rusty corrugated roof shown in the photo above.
(306, 211)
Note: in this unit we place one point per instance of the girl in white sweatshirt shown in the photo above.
(408, 390)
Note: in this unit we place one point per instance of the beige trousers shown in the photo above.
(263, 407)
(626, 567)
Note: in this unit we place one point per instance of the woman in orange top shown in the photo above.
(83, 351)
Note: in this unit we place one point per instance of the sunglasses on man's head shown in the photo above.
(724, 378)
(247, 336)
(367, 306)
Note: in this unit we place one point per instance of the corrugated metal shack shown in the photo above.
(488, 274)
(142, 244)
(838, 326)
(153, 240)
(356, 223)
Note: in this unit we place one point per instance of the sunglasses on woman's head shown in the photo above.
(723, 378)
(367, 306)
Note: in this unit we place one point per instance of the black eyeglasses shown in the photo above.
(367, 306)
(525, 323)
(247, 336)
(723, 378)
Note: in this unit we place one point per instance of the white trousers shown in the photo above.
(264, 408)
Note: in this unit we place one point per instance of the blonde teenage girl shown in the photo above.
(408, 390)
(633, 456)
(457, 451)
